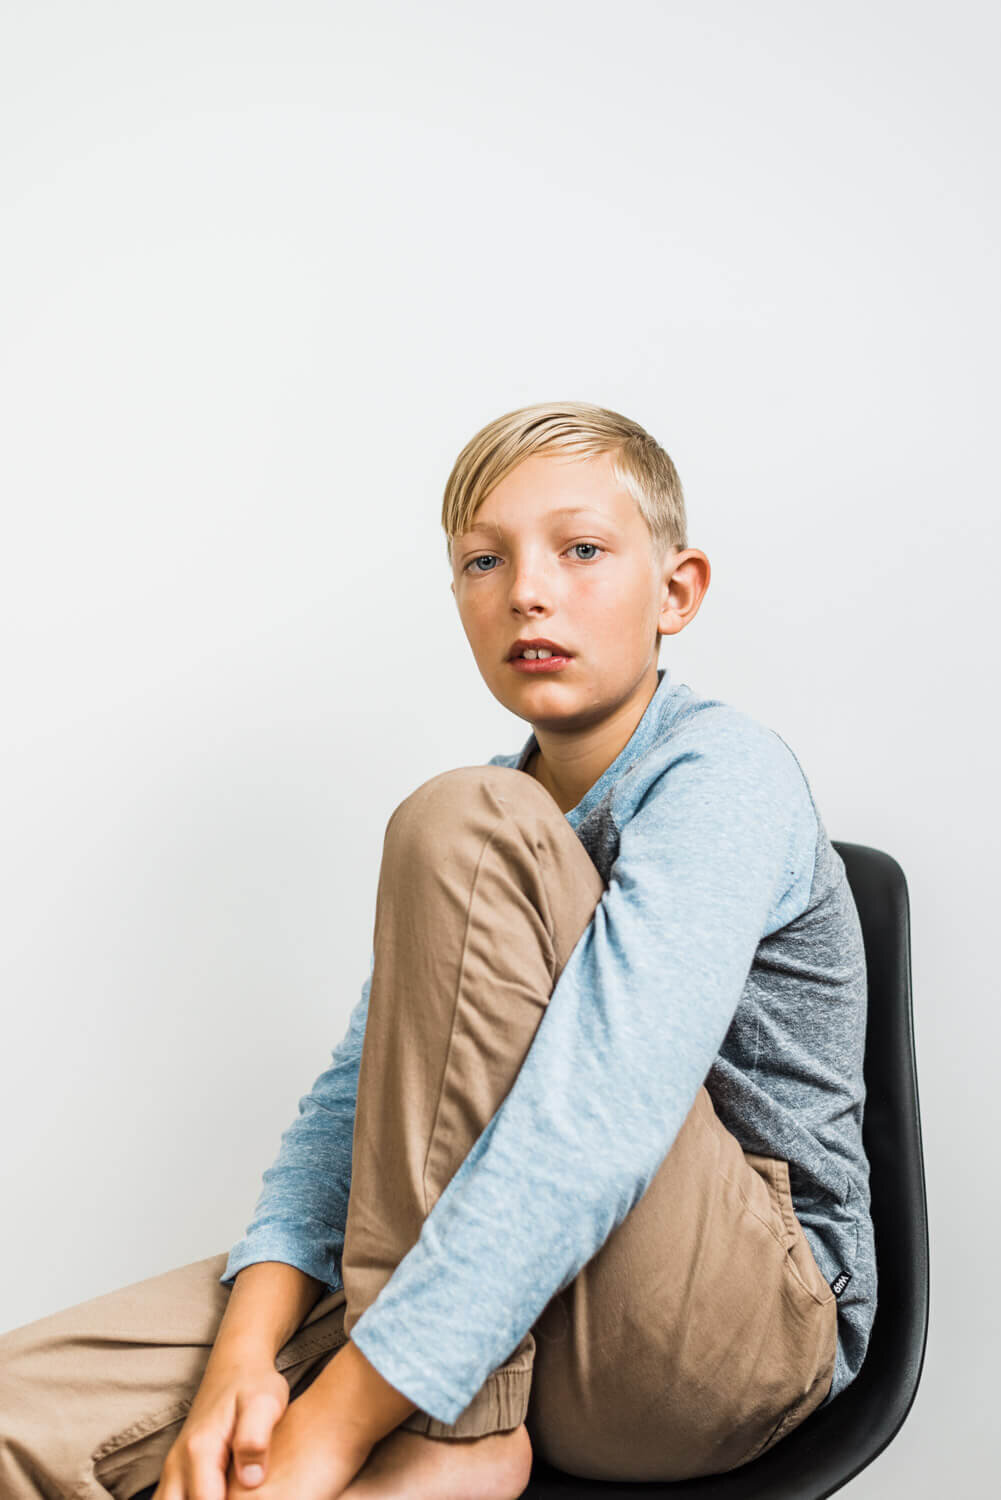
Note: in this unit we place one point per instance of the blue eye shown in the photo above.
(484, 555)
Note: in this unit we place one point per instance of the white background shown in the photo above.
(264, 269)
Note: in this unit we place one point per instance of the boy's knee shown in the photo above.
(452, 795)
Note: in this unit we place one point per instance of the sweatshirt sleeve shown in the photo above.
(713, 854)
(302, 1209)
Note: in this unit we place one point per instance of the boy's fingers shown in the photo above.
(208, 1481)
(255, 1421)
(180, 1486)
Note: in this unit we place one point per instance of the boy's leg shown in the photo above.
(93, 1397)
(484, 890)
(702, 1330)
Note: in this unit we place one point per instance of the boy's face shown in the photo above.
(588, 581)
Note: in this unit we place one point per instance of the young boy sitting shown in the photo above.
(585, 1177)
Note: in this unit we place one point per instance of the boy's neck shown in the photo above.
(570, 777)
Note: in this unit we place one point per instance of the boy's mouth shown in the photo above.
(538, 643)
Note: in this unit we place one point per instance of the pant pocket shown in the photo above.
(800, 1258)
(135, 1457)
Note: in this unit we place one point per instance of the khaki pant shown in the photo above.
(700, 1333)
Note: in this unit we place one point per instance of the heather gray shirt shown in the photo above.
(725, 950)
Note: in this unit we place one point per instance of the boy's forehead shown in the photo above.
(547, 493)
(544, 513)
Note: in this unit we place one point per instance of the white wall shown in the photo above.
(263, 270)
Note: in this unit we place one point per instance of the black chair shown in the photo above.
(837, 1442)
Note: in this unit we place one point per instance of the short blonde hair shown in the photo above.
(639, 463)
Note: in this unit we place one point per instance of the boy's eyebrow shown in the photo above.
(563, 510)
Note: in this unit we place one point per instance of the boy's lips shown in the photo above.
(547, 664)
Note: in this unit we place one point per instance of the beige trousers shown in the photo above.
(699, 1334)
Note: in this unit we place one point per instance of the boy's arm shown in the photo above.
(267, 1305)
(718, 853)
(301, 1213)
(268, 1302)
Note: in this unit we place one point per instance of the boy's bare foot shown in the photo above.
(407, 1465)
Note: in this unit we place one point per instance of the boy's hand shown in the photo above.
(311, 1455)
(327, 1433)
(232, 1417)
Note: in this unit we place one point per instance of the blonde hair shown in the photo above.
(639, 463)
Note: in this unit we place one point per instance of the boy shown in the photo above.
(585, 1176)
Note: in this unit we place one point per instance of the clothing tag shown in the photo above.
(840, 1282)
